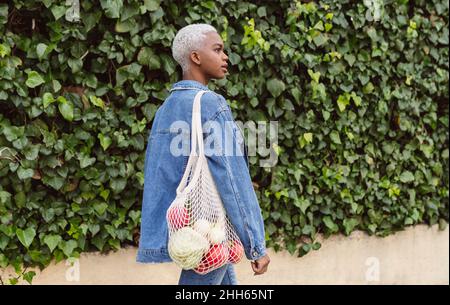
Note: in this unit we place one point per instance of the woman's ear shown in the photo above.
(195, 57)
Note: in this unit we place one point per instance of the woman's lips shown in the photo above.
(225, 68)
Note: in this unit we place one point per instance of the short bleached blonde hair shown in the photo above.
(188, 39)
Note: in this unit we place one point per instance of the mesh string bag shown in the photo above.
(201, 237)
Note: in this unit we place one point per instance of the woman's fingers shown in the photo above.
(260, 265)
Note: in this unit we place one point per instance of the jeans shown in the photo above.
(224, 275)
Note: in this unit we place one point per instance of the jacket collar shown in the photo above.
(188, 83)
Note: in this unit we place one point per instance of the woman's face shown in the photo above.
(213, 60)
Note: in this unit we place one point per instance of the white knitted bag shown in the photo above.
(201, 237)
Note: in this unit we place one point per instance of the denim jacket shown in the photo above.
(164, 169)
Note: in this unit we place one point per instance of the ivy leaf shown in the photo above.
(58, 11)
(104, 194)
(47, 99)
(350, 58)
(100, 208)
(52, 241)
(20, 199)
(135, 215)
(334, 135)
(342, 101)
(28, 276)
(112, 8)
(125, 26)
(105, 141)
(56, 85)
(96, 101)
(356, 99)
(303, 204)
(94, 228)
(85, 161)
(40, 50)
(3, 13)
(4, 50)
(55, 182)
(320, 40)
(68, 246)
(75, 64)
(147, 57)
(329, 223)
(261, 11)
(368, 88)
(169, 64)
(349, 225)
(159, 13)
(91, 81)
(308, 137)
(23, 173)
(129, 11)
(296, 94)
(152, 5)
(275, 87)
(372, 33)
(427, 150)
(307, 229)
(316, 246)
(315, 76)
(118, 184)
(91, 19)
(140, 177)
(406, 177)
(115, 243)
(26, 236)
(66, 109)
(5, 197)
(319, 26)
(235, 59)
(127, 72)
(34, 79)
(11, 133)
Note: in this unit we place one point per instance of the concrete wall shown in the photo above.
(418, 255)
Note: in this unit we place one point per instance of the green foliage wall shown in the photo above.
(359, 88)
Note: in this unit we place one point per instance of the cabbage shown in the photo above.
(186, 247)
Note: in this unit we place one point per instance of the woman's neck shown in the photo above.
(195, 75)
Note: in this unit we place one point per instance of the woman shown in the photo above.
(199, 50)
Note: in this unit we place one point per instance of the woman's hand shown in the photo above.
(260, 265)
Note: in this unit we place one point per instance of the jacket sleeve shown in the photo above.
(232, 177)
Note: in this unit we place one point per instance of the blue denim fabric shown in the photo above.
(224, 275)
(163, 172)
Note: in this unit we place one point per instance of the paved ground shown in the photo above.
(418, 255)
